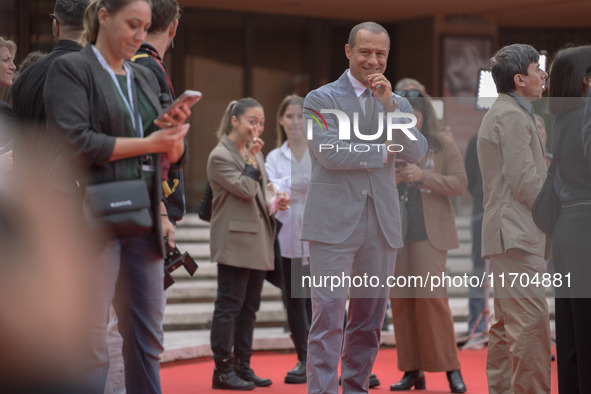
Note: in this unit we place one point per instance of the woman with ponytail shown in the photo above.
(241, 241)
(103, 108)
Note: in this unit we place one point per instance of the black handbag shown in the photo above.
(546, 208)
(204, 210)
(120, 207)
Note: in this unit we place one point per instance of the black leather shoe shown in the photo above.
(456, 383)
(229, 381)
(373, 381)
(410, 379)
(297, 374)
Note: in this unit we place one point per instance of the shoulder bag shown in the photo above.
(120, 207)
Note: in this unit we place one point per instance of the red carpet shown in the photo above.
(194, 376)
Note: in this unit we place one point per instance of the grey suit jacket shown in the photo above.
(342, 179)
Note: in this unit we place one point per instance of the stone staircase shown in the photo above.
(189, 307)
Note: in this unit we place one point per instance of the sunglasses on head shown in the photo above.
(411, 93)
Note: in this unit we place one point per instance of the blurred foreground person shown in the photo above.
(43, 283)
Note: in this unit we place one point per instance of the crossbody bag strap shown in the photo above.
(140, 126)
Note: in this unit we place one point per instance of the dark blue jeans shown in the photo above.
(237, 301)
(128, 274)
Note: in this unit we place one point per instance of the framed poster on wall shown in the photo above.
(462, 58)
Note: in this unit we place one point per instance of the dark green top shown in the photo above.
(147, 113)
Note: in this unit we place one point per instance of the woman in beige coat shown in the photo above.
(242, 233)
(423, 324)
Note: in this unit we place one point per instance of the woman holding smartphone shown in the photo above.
(242, 235)
(423, 324)
(103, 107)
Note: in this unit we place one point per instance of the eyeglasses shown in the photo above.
(411, 93)
(53, 17)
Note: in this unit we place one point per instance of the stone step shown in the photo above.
(191, 234)
(208, 270)
(200, 253)
(192, 220)
(272, 314)
(205, 290)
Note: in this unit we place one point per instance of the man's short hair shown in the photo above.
(164, 12)
(509, 61)
(70, 13)
(372, 27)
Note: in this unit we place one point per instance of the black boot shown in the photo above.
(456, 383)
(297, 374)
(244, 372)
(373, 381)
(410, 379)
(225, 378)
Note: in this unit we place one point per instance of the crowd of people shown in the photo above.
(99, 95)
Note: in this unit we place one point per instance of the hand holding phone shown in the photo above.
(178, 111)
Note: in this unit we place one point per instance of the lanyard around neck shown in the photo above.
(136, 123)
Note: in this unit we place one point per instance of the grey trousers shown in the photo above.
(366, 253)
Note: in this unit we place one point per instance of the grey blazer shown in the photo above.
(342, 180)
(84, 113)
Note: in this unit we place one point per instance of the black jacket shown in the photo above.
(175, 202)
(83, 110)
(27, 91)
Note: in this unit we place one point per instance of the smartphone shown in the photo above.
(189, 97)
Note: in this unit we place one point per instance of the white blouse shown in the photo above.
(293, 178)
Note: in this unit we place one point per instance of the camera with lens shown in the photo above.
(174, 259)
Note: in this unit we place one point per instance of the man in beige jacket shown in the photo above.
(513, 170)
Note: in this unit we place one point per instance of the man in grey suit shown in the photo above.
(351, 216)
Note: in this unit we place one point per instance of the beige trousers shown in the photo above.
(519, 340)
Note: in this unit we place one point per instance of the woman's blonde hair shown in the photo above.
(4, 43)
(292, 99)
(91, 23)
(235, 108)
